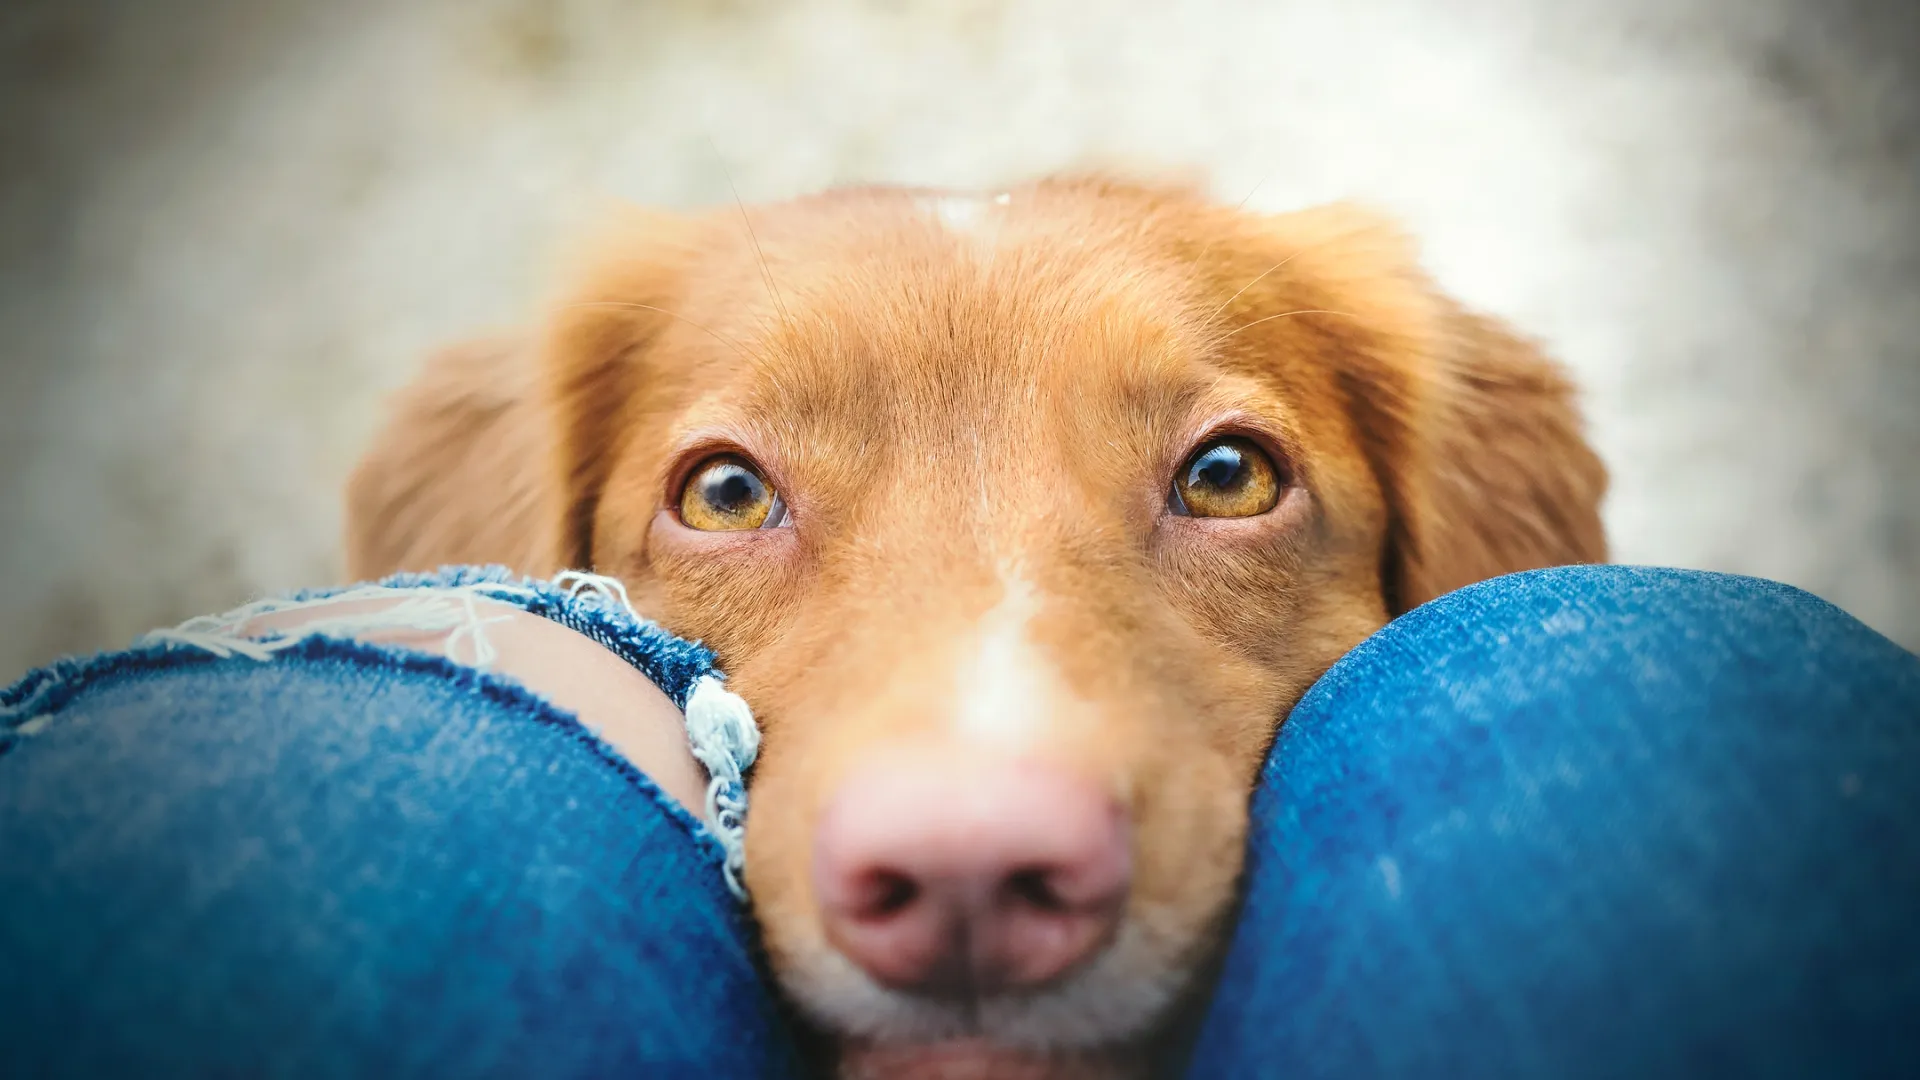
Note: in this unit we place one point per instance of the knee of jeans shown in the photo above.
(1561, 601)
(1614, 624)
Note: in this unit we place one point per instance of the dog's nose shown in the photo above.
(957, 875)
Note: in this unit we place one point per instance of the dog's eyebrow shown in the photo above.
(1160, 385)
(792, 391)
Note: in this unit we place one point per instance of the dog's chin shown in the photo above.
(966, 1059)
(1117, 998)
(1090, 1027)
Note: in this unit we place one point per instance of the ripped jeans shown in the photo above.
(1594, 821)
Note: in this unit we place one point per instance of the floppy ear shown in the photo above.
(497, 451)
(625, 295)
(459, 472)
(1494, 474)
(1472, 432)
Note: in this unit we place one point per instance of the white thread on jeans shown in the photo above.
(453, 610)
(608, 590)
(720, 728)
(720, 732)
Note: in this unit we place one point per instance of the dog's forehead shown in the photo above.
(975, 308)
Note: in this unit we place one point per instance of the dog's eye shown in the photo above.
(725, 493)
(1226, 477)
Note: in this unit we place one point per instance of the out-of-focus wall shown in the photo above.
(227, 227)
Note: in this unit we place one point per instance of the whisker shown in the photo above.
(1229, 300)
(1248, 197)
(742, 353)
(1284, 314)
(1237, 207)
(766, 272)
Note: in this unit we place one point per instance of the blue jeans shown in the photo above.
(1592, 821)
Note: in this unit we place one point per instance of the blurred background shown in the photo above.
(228, 227)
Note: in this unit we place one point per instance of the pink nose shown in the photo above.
(954, 875)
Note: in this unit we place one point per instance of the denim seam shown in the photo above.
(108, 668)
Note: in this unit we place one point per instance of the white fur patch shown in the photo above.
(959, 213)
(962, 215)
(1005, 691)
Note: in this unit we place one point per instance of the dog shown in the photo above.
(1021, 519)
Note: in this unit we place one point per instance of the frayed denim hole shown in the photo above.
(720, 728)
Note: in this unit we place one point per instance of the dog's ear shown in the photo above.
(496, 452)
(595, 358)
(458, 473)
(1472, 432)
(1493, 474)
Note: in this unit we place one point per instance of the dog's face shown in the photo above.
(1021, 520)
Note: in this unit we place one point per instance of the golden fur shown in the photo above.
(951, 396)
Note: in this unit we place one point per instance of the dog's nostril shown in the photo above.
(889, 892)
(952, 873)
(1033, 887)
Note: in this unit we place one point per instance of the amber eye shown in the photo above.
(725, 493)
(1226, 477)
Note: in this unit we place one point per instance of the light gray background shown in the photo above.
(227, 228)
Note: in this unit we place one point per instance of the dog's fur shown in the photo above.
(974, 407)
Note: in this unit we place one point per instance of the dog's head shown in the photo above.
(1021, 520)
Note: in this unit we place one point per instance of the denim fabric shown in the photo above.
(351, 860)
(1597, 821)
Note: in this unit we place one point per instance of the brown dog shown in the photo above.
(1021, 520)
